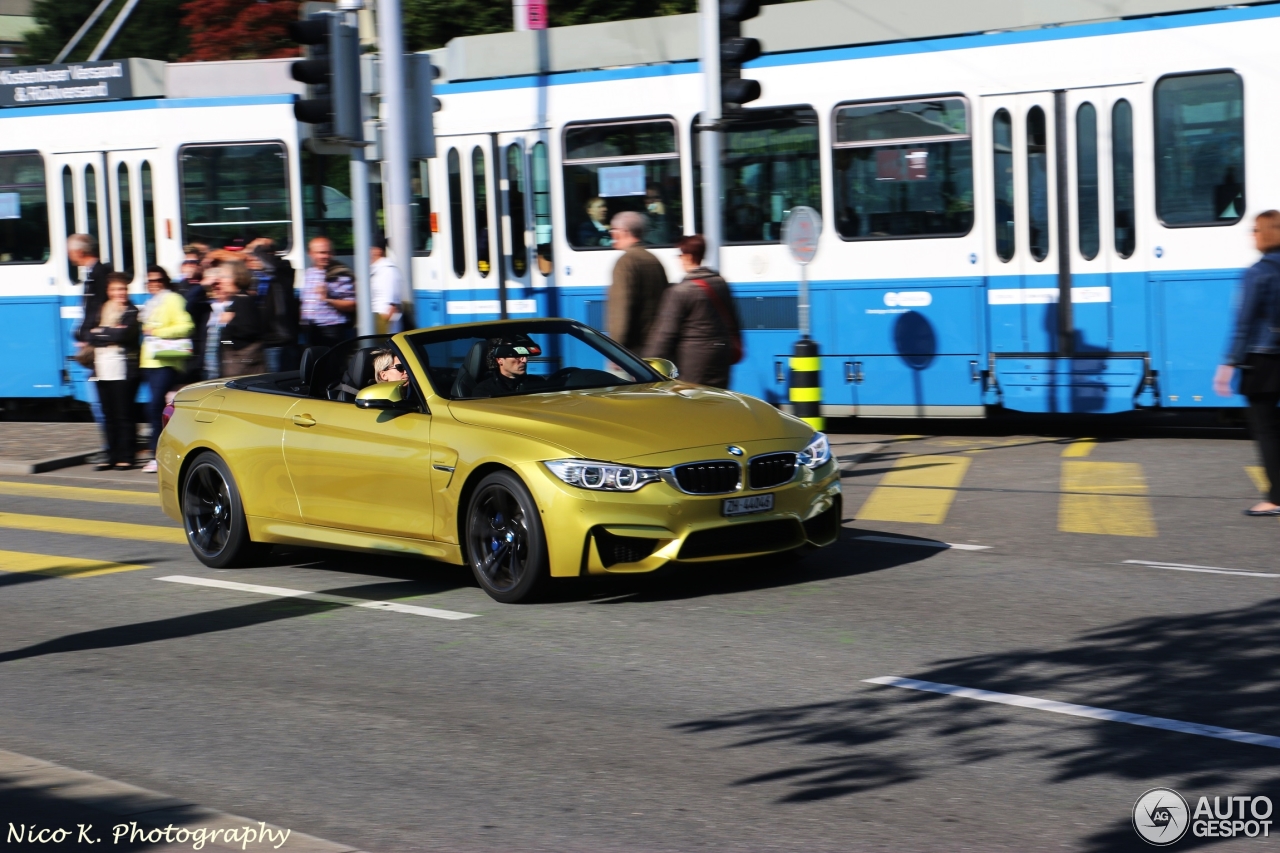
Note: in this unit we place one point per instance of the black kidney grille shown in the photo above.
(771, 469)
(708, 478)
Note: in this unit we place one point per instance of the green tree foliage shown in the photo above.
(153, 31)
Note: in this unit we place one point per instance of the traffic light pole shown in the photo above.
(395, 137)
(362, 237)
(709, 136)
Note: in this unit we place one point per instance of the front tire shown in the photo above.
(213, 514)
(506, 546)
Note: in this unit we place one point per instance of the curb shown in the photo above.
(40, 466)
(137, 808)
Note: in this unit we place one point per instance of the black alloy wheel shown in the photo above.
(505, 544)
(212, 514)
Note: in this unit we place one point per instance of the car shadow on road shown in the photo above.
(848, 557)
(1217, 668)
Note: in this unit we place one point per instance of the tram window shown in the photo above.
(126, 219)
(1002, 148)
(1122, 177)
(515, 210)
(770, 165)
(91, 206)
(420, 214)
(1089, 226)
(480, 197)
(326, 201)
(1200, 149)
(455, 214)
(235, 192)
(542, 206)
(903, 169)
(24, 210)
(149, 235)
(609, 168)
(69, 215)
(1037, 184)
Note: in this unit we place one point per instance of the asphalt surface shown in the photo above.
(717, 708)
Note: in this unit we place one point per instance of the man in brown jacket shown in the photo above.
(638, 283)
(698, 326)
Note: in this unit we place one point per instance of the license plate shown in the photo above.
(746, 506)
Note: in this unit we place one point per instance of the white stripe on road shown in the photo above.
(1080, 711)
(1210, 570)
(924, 543)
(285, 592)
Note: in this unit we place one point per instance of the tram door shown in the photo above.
(471, 283)
(525, 197)
(1022, 251)
(81, 189)
(132, 213)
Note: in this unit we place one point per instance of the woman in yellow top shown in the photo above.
(166, 346)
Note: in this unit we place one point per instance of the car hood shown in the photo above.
(616, 424)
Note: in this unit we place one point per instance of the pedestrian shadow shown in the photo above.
(1215, 668)
(260, 612)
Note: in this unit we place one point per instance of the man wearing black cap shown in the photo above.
(510, 359)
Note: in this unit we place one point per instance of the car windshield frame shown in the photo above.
(608, 349)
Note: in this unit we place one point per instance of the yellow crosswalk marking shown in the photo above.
(60, 567)
(79, 493)
(1080, 447)
(1107, 498)
(86, 527)
(1259, 478)
(918, 490)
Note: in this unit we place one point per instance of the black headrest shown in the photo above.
(474, 367)
(307, 367)
(360, 368)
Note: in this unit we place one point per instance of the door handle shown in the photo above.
(304, 420)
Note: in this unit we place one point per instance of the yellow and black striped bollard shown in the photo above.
(806, 383)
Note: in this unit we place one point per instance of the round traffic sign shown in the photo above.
(800, 232)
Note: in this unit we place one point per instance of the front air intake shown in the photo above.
(708, 478)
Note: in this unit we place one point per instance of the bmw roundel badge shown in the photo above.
(734, 449)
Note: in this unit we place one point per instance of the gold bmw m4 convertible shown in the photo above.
(526, 449)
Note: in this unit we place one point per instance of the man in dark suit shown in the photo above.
(82, 251)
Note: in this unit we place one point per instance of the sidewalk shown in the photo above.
(31, 448)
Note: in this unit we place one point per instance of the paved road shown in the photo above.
(716, 709)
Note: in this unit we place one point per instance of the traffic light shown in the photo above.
(332, 74)
(422, 105)
(735, 50)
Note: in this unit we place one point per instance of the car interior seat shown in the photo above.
(359, 374)
(307, 367)
(474, 369)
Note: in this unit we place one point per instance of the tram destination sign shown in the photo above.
(78, 82)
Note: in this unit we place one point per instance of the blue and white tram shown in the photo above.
(1050, 219)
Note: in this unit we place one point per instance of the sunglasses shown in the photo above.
(155, 281)
(397, 367)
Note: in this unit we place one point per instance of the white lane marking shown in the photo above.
(924, 543)
(1209, 570)
(1080, 711)
(285, 592)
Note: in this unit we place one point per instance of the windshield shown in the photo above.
(537, 357)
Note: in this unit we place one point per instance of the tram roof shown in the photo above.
(785, 27)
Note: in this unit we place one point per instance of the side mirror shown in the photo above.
(666, 368)
(384, 395)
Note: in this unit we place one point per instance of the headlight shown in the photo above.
(818, 453)
(601, 476)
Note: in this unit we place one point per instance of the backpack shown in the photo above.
(735, 341)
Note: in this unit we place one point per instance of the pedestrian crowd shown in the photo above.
(230, 312)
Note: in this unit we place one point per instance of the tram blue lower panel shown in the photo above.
(29, 348)
(1193, 319)
(1078, 385)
